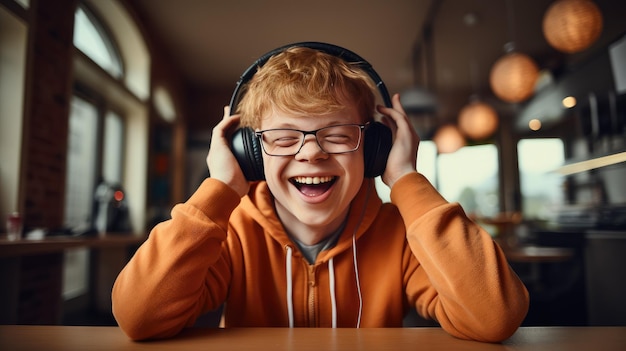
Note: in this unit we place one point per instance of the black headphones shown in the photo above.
(246, 146)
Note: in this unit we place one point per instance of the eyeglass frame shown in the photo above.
(362, 127)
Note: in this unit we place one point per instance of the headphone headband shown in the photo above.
(330, 49)
(246, 146)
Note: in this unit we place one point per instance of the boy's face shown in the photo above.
(321, 207)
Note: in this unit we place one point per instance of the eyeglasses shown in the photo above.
(337, 139)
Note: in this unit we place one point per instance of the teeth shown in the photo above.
(313, 180)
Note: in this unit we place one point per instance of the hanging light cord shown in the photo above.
(510, 46)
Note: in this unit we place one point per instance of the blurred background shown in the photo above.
(107, 107)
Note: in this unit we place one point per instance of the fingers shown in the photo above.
(403, 154)
(395, 113)
(227, 125)
(220, 160)
(396, 118)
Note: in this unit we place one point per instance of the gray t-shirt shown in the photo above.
(310, 252)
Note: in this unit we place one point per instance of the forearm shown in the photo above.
(474, 294)
(164, 286)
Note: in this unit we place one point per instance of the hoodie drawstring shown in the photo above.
(331, 278)
(358, 281)
(331, 283)
(289, 287)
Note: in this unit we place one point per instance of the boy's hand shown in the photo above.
(222, 163)
(403, 155)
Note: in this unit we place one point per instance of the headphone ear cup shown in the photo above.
(377, 145)
(247, 150)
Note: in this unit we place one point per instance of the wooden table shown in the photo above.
(539, 254)
(55, 244)
(16, 337)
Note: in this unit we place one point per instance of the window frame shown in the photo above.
(109, 43)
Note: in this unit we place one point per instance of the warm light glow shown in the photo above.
(118, 195)
(164, 104)
(478, 120)
(448, 139)
(572, 25)
(534, 124)
(513, 77)
(569, 102)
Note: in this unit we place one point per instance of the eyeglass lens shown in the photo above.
(332, 139)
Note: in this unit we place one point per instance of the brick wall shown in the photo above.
(49, 82)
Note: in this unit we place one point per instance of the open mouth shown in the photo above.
(313, 186)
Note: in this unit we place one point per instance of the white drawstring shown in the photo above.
(331, 278)
(331, 270)
(289, 287)
(333, 300)
(358, 282)
(356, 266)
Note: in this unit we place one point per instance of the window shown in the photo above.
(121, 95)
(96, 135)
(113, 146)
(426, 158)
(540, 186)
(91, 38)
(470, 176)
(13, 48)
(96, 144)
(81, 164)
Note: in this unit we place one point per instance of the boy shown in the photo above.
(313, 245)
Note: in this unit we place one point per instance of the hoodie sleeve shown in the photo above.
(178, 273)
(464, 280)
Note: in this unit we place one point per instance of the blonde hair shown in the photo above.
(304, 81)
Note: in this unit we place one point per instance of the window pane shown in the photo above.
(81, 163)
(470, 176)
(93, 42)
(75, 273)
(541, 188)
(426, 156)
(427, 160)
(112, 148)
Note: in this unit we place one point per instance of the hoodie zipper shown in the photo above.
(311, 295)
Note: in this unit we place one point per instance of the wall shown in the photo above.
(49, 82)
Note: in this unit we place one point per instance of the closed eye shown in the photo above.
(286, 141)
(338, 139)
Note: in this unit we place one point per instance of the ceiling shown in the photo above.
(446, 46)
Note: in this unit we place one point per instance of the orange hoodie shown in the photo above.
(418, 252)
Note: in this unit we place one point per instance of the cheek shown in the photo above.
(273, 167)
(357, 163)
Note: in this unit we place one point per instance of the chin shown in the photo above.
(321, 219)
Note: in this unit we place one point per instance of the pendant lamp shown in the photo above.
(571, 26)
(448, 139)
(513, 76)
(478, 120)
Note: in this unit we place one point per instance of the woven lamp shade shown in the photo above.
(448, 139)
(571, 26)
(513, 76)
(478, 120)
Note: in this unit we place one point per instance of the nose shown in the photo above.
(310, 150)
